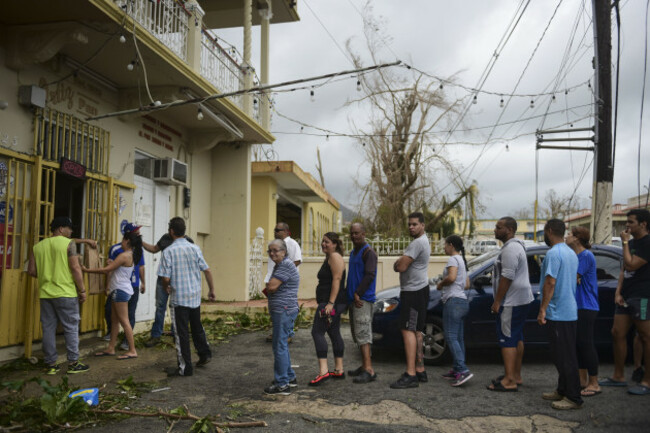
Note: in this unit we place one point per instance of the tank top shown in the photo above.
(121, 279)
(54, 276)
(324, 287)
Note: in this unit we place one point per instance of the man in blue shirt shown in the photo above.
(180, 270)
(558, 311)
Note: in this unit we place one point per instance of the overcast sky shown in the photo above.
(444, 38)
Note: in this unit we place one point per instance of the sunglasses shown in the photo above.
(278, 230)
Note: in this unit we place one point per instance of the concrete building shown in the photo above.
(619, 211)
(65, 68)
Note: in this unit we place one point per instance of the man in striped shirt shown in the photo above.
(180, 269)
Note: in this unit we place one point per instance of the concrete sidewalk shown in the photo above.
(248, 307)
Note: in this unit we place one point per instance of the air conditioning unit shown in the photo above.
(170, 171)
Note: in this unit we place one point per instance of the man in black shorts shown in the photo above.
(414, 297)
(632, 298)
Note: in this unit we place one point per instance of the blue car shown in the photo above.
(480, 326)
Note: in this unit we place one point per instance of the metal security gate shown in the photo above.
(28, 187)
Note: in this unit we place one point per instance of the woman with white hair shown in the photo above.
(282, 291)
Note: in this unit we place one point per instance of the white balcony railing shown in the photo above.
(167, 20)
(219, 68)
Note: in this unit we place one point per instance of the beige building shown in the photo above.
(282, 191)
(619, 214)
(66, 68)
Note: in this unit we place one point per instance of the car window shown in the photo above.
(607, 267)
(535, 268)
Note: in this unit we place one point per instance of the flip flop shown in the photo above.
(639, 390)
(611, 382)
(500, 388)
(589, 392)
(104, 354)
(500, 378)
(123, 357)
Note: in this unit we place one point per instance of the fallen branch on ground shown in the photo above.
(189, 416)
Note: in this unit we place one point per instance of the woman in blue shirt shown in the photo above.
(587, 300)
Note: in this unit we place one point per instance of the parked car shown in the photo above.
(482, 247)
(480, 327)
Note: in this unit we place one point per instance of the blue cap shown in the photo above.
(127, 227)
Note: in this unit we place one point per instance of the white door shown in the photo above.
(151, 211)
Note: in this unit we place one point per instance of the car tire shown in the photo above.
(436, 351)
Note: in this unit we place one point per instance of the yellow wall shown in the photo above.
(263, 205)
(321, 223)
(226, 248)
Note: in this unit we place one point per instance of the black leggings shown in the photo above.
(319, 328)
(587, 355)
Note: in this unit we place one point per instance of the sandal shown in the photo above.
(319, 379)
(500, 388)
(586, 392)
(337, 374)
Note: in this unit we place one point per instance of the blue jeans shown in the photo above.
(453, 318)
(282, 330)
(161, 307)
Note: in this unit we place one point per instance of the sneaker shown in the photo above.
(318, 380)
(337, 375)
(357, 372)
(422, 376)
(53, 369)
(203, 361)
(637, 374)
(153, 341)
(565, 404)
(124, 346)
(462, 378)
(554, 396)
(77, 367)
(451, 375)
(107, 337)
(176, 372)
(365, 377)
(293, 383)
(405, 381)
(277, 390)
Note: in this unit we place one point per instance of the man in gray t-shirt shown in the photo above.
(414, 298)
(512, 299)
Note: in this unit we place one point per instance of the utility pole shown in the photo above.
(601, 203)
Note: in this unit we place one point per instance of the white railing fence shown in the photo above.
(167, 20)
(218, 67)
(257, 255)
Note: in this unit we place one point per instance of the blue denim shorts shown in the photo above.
(120, 296)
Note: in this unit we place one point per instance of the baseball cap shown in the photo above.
(61, 221)
(127, 227)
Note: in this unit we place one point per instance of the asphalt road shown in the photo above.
(231, 385)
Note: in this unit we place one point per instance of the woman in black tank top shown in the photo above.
(332, 302)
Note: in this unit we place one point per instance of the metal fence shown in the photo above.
(220, 68)
(167, 20)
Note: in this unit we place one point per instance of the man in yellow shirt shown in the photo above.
(61, 288)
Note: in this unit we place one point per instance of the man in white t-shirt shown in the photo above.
(294, 253)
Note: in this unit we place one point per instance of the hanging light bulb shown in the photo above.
(441, 86)
(532, 103)
(302, 128)
(507, 148)
(311, 96)
(358, 85)
(122, 39)
(131, 65)
(501, 104)
(199, 114)
(327, 138)
(566, 92)
(553, 98)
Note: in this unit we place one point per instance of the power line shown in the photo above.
(306, 3)
(645, 69)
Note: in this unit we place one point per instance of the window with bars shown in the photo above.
(60, 135)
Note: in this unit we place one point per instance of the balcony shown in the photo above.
(170, 21)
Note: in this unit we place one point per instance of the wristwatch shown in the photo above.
(625, 242)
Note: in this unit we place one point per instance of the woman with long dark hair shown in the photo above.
(455, 307)
(332, 302)
(587, 300)
(120, 291)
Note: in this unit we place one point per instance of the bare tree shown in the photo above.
(404, 108)
(557, 206)
(319, 167)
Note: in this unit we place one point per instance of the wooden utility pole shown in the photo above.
(601, 203)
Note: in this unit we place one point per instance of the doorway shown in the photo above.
(69, 201)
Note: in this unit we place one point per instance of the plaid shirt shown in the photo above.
(182, 262)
